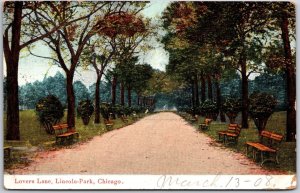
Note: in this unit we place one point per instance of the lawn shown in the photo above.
(33, 135)
(276, 123)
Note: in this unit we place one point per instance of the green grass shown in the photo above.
(32, 134)
(276, 123)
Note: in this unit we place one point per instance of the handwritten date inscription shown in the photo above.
(217, 182)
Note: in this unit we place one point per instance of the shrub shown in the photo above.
(105, 110)
(231, 107)
(85, 110)
(210, 109)
(49, 111)
(261, 107)
(139, 109)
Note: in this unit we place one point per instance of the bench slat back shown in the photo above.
(60, 128)
(108, 121)
(207, 121)
(276, 137)
(271, 139)
(234, 128)
(56, 127)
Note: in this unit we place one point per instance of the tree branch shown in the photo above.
(45, 57)
(54, 29)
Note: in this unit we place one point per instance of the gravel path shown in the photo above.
(162, 143)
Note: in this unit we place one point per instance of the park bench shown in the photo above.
(7, 152)
(109, 124)
(134, 116)
(64, 134)
(267, 147)
(124, 119)
(230, 135)
(205, 124)
(193, 119)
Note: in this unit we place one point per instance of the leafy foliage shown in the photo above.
(121, 23)
(209, 108)
(49, 111)
(232, 106)
(80, 91)
(105, 110)
(85, 110)
(261, 108)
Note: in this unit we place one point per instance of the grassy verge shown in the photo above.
(34, 137)
(276, 123)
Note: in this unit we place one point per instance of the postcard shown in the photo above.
(155, 95)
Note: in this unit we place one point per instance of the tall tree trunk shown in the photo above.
(193, 97)
(209, 88)
(12, 64)
(245, 92)
(144, 101)
(97, 99)
(203, 89)
(122, 94)
(290, 80)
(196, 91)
(113, 90)
(138, 100)
(129, 95)
(219, 100)
(71, 100)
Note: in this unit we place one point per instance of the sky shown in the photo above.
(32, 68)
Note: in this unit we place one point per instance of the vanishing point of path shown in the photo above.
(162, 143)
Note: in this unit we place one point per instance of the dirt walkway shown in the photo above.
(162, 143)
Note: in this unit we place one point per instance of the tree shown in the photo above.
(128, 41)
(50, 111)
(284, 15)
(81, 92)
(68, 43)
(102, 48)
(232, 106)
(31, 93)
(85, 110)
(261, 108)
(4, 94)
(232, 28)
(100, 62)
(134, 76)
(209, 108)
(18, 17)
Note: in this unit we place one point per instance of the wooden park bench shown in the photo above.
(64, 134)
(230, 135)
(205, 124)
(193, 119)
(124, 119)
(108, 124)
(7, 152)
(134, 116)
(267, 147)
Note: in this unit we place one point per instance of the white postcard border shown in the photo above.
(151, 182)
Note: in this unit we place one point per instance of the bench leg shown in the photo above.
(262, 157)
(70, 139)
(276, 157)
(58, 140)
(7, 154)
(247, 149)
(219, 137)
(77, 137)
